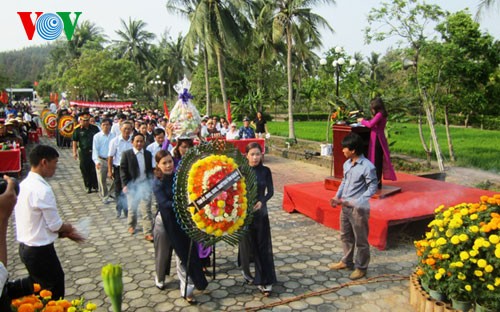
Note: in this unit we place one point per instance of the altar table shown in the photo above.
(10, 161)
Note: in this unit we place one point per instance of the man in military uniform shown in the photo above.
(83, 137)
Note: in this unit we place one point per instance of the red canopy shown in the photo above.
(102, 104)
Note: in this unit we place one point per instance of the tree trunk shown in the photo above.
(291, 129)
(207, 83)
(428, 107)
(422, 140)
(220, 69)
(448, 134)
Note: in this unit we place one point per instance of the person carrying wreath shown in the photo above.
(378, 149)
(163, 189)
(257, 241)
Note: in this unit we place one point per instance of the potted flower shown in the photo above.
(460, 254)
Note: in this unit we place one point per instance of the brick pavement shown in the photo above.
(302, 250)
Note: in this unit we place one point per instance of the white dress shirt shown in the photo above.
(37, 218)
(100, 146)
(139, 154)
(117, 146)
(154, 148)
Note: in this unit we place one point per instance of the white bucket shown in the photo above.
(326, 149)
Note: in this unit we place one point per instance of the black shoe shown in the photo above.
(89, 190)
(125, 213)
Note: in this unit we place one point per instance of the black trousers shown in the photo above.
(44, 268)
(87, 167)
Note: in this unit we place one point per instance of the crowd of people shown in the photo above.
(127, 157)
(136, 152)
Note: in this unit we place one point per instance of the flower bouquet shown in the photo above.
(41, 301)
(184, 115)
(214, 189)
(460, 255)
(339, 116)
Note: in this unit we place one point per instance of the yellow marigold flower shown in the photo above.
(464, 255)
(91, 306)
(441, 271)
(484, 198)
(76, 302)
(474, 228)
(449, 233)
(455, 240)
(438, 276)
(468, 287)
(473, 253)
(447, 214)
(463, 237)
(481, 263)
(71, 309)
(461, 276)
(441, 241)
(486, 244)
(464, 211)
(478, 273)
(473, 216)
(497, 281)
(218, 233)
(488, 268)
(445, 256)
(490, 287)
(221, 204)
(429, 235)
(497, 253)
(494, 239)
(459, 264)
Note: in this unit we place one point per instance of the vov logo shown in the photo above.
(49, 26)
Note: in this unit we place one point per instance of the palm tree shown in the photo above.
(218, 27)
(290, 15)
(484, 5)
(86, 33)
(171, 62)
(135, 42)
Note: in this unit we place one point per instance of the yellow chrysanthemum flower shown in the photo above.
(478, 273)
(494, 239)
(455, 240)
(468, 288)
(438, 276)
(488, 268)
(490, 287)
(481, 263)
(463, 237)
(474, 228)
(464, 255)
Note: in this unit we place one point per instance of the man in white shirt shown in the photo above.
(38, 223)
(116, 127)
(100, 150)
(117, 146)
(156, 146)
(136, 172)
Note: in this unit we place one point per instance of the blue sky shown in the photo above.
(347, 18)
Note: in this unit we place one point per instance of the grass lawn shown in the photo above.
(474, 148)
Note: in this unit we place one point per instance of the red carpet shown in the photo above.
(418, 199)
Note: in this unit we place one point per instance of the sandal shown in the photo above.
(191, 300)
(266, 292)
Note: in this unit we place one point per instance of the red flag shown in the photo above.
(165, 109)
(4, 98)
(229, 111)
(56, 98)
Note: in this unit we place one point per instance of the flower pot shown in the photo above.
(439, 306)
(436, 295)
(480, 308)
(461, 305)
(425, 286)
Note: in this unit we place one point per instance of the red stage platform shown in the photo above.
(417, 200)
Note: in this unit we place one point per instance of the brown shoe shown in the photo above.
(338, 266)
(131, 230)
(357, 274)
(149, 238)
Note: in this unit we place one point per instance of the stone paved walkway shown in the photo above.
(302, 250)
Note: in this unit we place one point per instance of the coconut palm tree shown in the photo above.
(485, 5)
(218, 27)
(86, 33)
(134, 43)
(290, 15)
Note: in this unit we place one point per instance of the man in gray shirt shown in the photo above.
(358, 185)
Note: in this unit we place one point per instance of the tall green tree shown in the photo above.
(290, 15)
(135, 42)
(97, 73)
(409, 20)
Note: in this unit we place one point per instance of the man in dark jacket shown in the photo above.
(83, 136)
(136, 172)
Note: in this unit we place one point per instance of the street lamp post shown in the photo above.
(158, 85)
